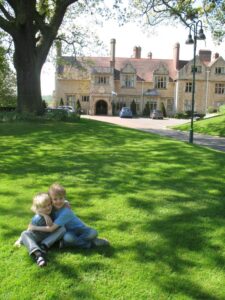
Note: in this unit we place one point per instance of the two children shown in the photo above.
(37, 242)
(78, 234)
(66, 226)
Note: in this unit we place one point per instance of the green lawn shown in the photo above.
(212, 126)
(160, 202)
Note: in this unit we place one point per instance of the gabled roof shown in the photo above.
(144, 66)
(220, 58)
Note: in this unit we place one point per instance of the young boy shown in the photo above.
(38, 242)
(77, 233)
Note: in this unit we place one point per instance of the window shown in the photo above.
(188, 87)
(160, 82)
(85, 98)
(128, 81)
(219, 88)
(220, 70)
(187, 105)
(102, 80)
(198, 69)
(70, 99)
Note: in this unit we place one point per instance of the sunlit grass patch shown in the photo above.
(160, 203)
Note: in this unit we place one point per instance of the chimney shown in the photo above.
(58, 45)
(150, 55)
(59, 63)
(176, 55)
(137, 52)
(112, 53)
(216, 55)
(205, 55)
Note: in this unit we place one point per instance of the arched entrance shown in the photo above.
(101, 108)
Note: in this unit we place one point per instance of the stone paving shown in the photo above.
(161, 127)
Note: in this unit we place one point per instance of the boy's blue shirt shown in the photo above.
(66, 217)
(38, 220)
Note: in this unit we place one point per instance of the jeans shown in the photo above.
(80, 237)
(31, 239)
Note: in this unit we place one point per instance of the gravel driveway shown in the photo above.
(161, 127)
(139, 123)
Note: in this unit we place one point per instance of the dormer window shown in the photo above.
(128, 76)
(160, 82)
(161, 77)
(220, 70)
(198, 69)
(128, 80)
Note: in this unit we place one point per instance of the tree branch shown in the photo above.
(6, 13)
(7, 26)
(49, 32)
(13, 4)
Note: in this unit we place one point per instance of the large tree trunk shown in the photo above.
(28, 86)
(28, 68)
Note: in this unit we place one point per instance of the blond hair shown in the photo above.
(39, 201)
(57, 189)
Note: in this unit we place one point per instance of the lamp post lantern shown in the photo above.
(197, 35)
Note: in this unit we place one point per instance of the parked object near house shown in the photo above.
(156, 114)
(66, 107)
(125, 113)
(196, 117)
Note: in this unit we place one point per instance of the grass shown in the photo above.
(213, 126)
(160, 202)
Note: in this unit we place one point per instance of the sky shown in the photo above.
(160, 43)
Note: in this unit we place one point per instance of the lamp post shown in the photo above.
(197, 35)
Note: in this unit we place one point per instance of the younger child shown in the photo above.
(38, 242)
(77, 233)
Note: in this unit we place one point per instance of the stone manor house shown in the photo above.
(104, 84)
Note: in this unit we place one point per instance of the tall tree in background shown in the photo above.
(33, 26)
(7, 82)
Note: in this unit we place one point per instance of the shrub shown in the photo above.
(133, 108)
(181, 116)
(55, 115)
(146, 111)
(212, 109)
(163, 109)
(78, 107)
(222, 109)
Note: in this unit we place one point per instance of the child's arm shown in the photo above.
(67, 204)
(47, 218)
(65, 217)
(51, 228)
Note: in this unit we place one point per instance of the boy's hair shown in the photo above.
(39, 201)
(57, 190)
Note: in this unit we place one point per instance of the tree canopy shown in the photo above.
(7, 82)
(211, 12)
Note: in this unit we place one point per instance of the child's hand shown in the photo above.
(31, 227)
(47, 218)
(67, 204)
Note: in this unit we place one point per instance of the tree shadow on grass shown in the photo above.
(105, 162)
